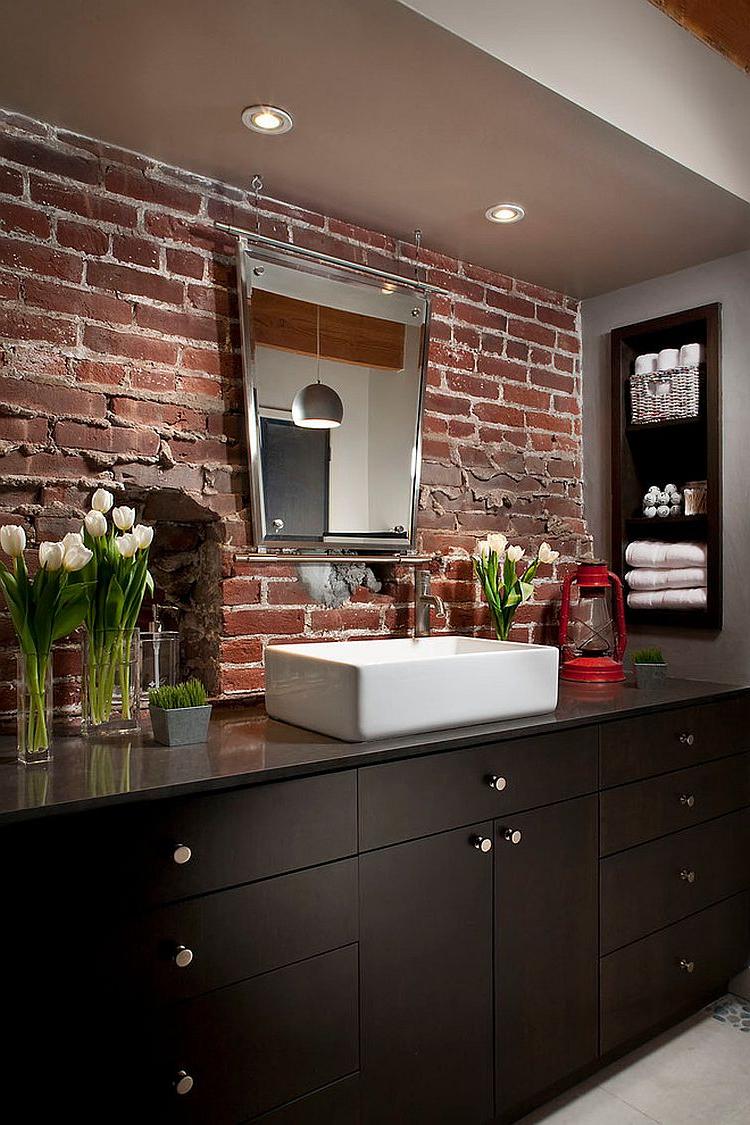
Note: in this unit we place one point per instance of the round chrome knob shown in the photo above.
(183, 1083)
(687, 799)
(687, 966)
(687, 875)
(496, 782)
(182, 854)
(482, 843)
(182, 956)
(687, 738)
(512, 835)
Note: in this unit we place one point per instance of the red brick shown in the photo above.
(42, 260)
(108, 374)
(23, 429)
(127, 344)
(446, 404)
(497, 412)
(511, 303)
(566, 404)
(237, 681)
(514, 349)
(530, 331)
(339, 620)
(241, 652)
(552, 379)
(11, 182)
(185, 263)
(195, 385)
(287, 593)
(263, 622)
(148, 379)
(151, 413)
(16, 217)
(459, 429)
(44, 158)
(187, 325)
(240, 591)
(433, 425)
(77, 302)
(86, 237)
(501, 368)
(138, 283)
(471, 385)
(485, 318)
(445, 356)
(136, 251)
(548, 422)
(212, 363)
(560, 318)
(526, 396)
(110, 439)
(28, 326)
(212, 300)
(79, 201)
(569, 343)
(539, 293)
(136, 185)
(10, 287)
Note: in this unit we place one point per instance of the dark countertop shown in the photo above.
(246, 747)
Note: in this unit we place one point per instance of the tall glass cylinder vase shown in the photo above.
(34, 691)
(111, 687)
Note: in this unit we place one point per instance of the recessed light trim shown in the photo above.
(505, 213)
(268, 119)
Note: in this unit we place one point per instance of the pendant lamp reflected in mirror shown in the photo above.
(317, 406)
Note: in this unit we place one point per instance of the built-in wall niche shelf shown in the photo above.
(676, 450)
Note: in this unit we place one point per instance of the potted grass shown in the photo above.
(650, 667)
(179, 713)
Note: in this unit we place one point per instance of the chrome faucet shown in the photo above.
(424, 601)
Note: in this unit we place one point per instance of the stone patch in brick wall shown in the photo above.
(120, 364)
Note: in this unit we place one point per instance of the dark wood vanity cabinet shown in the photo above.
(447, 938)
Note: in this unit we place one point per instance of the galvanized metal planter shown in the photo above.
(180, 726)
(649, 675)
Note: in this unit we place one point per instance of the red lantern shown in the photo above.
(592, 625)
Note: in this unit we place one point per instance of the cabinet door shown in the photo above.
(545, 949)
(426, 981)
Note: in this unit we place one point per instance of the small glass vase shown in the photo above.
(111, 683)
(34, 691)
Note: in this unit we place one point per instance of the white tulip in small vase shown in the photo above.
(496, 567)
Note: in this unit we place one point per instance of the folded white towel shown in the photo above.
(665, 556)
(667, 599)
(645, 578)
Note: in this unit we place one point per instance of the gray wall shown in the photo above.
(723, 656)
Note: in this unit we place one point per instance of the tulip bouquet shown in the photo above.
(496, 567)
(43, 610)
(119, 573)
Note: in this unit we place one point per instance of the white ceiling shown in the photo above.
(399, 124)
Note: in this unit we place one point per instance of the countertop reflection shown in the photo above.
(246, 747)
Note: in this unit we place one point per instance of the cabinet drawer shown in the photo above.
(260, 1044)
(405, 800)
(238, 933)
(670, 740)
(644, 810)
(651, 886)
(335, 1105)
(646, 985)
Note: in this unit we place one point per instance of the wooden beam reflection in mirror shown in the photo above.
(286, 323)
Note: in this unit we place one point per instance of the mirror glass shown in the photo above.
(358, 346)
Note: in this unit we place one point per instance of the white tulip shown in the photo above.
(102, 500)
(96, 524)
(13, 540)
(547, 555)
(51, 555)
(127, 545)
(515, 553)
(76, 558)
(72, 539)
(143, 535)
(497, 542)
(483, 548)
(124, 517)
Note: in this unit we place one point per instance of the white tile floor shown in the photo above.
(696, 1074)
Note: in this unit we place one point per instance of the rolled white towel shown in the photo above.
(665, 556)
(667, 599)
(651, 578)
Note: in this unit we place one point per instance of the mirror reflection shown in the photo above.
(335, 380)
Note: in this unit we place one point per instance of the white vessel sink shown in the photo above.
(359, 690)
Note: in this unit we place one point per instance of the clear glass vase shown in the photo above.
(111, 683)
(34, 691)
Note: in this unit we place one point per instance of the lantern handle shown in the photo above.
(622, 633)
(565, 608)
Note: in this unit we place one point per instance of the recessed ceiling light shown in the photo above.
(267, 119)
(505, 213)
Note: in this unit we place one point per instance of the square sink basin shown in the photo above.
(362, 690)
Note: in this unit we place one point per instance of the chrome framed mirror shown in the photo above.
(334, 363)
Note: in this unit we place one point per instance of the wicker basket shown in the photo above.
(665, 396)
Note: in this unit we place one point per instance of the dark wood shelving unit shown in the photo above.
(678, 450)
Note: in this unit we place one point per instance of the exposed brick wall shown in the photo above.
(121, 365)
